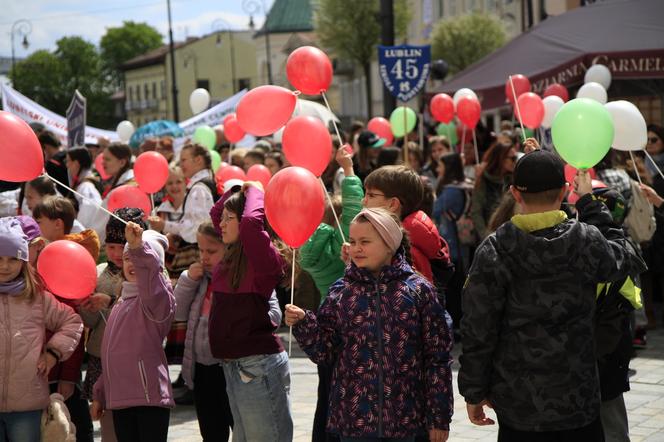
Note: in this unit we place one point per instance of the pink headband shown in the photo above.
(388, 229)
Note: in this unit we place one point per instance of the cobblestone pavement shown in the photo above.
(645, 402)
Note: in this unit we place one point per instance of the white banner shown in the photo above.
(213, 116)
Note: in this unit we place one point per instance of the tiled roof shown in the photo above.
(289, 16)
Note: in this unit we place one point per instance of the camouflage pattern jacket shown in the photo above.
(388, 336)
(528, 304)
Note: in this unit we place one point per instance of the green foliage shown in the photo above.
(461, 41)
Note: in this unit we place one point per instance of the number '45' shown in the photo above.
(412, 72)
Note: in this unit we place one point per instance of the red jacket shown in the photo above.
(426, 243)
(69, 370)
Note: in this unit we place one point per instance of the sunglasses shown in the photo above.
(653, 140)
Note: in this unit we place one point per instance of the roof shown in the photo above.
(625, 35)
(155, 56)
(288, 16)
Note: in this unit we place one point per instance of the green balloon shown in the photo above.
(582, 132)
(448, 130)
(216, 160)
(205, 136)
(402, 121)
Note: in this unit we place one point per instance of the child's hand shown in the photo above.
(651, 195)
(345, 253)
(344, 157)
(294, 314)
(436, 435)
(583, 183)
(156, 223)
(134, 235)
(45, 363)
(530, 145)
(476, 413)
(256, 184)
(96, 410)
(66, 389)
(96, 302)
(196, 271)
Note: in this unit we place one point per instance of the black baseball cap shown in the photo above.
(370, 139)
(539, 171)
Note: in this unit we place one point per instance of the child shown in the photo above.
(34, 192)
(26, 310)
(528, 346)
(201, 371)
(171, 207)
(253, 157)
(56, 217)
(240, 328)
(79, 165)
(383, 325)
(135, 382)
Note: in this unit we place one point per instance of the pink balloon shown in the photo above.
(258, 172)
(22, 156)
(558, 90)
(381, 127)
(570, 174)
(229, 173)
(521, 86)
(307, 143)
(294, 204)
(309, 70)
(151, 171)
(99, 167)
(232, 129)
(68, 269)
(265, 109)
(129, 196)
(468, 111)
(530, 110)
(442, 108)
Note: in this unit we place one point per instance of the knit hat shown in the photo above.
(29, 227)
(157, 242)
(539, 171)
(115, 229)
(13, 242)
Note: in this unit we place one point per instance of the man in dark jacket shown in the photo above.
(55, 159)
(528, 310)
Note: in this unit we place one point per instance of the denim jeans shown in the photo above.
(20, 426)
(258, 391)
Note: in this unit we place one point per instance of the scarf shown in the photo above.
(13, 287)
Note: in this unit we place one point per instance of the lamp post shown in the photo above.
(252, 7)
(176, 110)
(221, 24)
(22, 28)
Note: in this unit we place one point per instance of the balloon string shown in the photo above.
(653, 163)
(477, 154)
(631, 155)
(518, 111)
(154, 209)
(292, 298)
(334, 212)
(334, 122)
(86, 198)
(463, 138)
(405, 137)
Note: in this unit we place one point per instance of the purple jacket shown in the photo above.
(135, 371)
(392, 376)
(239, 324)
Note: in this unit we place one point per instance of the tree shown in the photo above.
(124, 43)
(463, 41)
(39, 77)
(351, 29)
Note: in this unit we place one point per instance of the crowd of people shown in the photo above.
(547, 283)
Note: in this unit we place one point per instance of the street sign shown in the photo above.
(404, 69)
(76, 121)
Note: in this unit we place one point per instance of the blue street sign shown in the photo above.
(76, 116)
(404, 69)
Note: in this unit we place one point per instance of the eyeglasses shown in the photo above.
(653, 140)
(374, 195)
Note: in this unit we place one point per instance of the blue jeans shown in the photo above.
(378, 439)
(20, 426)
(258, 391)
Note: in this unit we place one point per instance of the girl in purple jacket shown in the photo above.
(135, 383)
(383, 325)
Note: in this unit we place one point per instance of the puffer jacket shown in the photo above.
(22, 341)
(320, 256)
(528, 308)
(391, 343)
(426, 244)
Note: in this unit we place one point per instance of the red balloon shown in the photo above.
(307, 143)
(557, 89)
(381, 127)
(465, 134)
(229, 173)
(530, 110)
(294, 204)
(68, 269)
(99, 167)
(468, 111)
(151, 171)
(442, 108)
(258, 172)
(265, 109)
(521, 86)
(309, 70)
(22, 156)
(570, 174)
(232, 129)
(129, 196)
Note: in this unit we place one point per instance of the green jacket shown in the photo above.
(320, 255)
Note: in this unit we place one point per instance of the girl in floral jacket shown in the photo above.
(385, 328)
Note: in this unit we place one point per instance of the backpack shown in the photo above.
(465, 227)
(640, 220)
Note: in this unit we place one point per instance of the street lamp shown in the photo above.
(22, 28)
(252, 7)
(218, 25)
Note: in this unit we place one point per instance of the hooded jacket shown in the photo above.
(388, 335)
(425, 243)
(528, 305)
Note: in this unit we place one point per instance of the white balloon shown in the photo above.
(594, 91)
(631, 132)
(125, 130)
(552, 105)
(463, 92)
(199, 100)
(598, 73)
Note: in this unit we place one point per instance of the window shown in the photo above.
(131, 93)
(138, 92)
(243, 83)
(205, 84)
(146, 88)
(163, 90)
(154, 90)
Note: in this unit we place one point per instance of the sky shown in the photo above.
(53, 19)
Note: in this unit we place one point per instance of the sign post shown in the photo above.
(76, 116)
